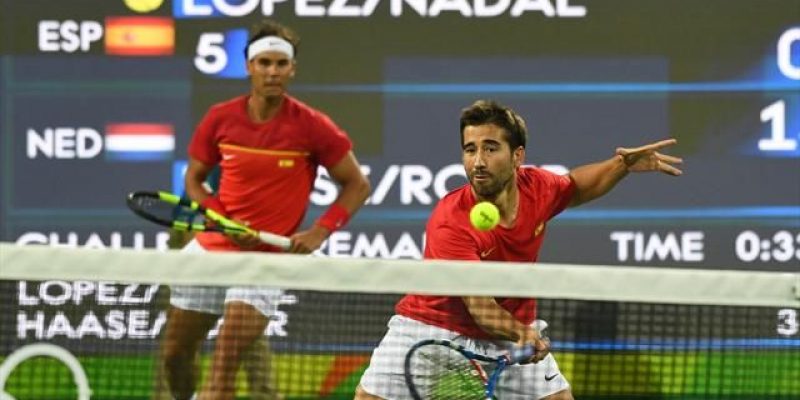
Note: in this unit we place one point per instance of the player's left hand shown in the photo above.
(309, 240)
(647, 158)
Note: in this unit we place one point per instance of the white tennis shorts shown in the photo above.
(212, 299)
(385, 378)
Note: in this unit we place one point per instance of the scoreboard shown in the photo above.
(721, 76)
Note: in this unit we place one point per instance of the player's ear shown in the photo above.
(294, 68)
(249, 66)
(518, 156)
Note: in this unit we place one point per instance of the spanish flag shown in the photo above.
(140, 36)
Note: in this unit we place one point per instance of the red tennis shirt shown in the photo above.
(449, 236)
(267, 169)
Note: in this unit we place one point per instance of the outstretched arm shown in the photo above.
(595, 180)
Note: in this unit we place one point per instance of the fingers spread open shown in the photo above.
(664, 143)
(669, 169)
(646, 148)
(670, 159)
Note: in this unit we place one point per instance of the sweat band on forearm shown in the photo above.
(334, 218)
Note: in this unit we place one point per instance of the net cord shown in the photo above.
(541, 280)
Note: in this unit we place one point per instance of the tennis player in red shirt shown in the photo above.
(268, 145)
(493, 150)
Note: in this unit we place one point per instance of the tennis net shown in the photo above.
(79, 323)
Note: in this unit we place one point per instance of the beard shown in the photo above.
(271, 93)
(490, 188)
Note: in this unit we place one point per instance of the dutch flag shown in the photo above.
(139, 142)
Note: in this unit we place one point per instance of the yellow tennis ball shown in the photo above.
(143, 6)
(484, 216)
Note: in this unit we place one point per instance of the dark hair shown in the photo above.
(484, 112)
(268, 27)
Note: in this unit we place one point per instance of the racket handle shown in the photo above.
(521, 354)
(276, 240)
(540, 326)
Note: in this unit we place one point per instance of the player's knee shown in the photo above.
(237, 334)
(232, 339)
(231, 346)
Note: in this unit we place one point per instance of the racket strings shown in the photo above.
(155, 207)
(444, 374)
(186, 214)
(177, 214)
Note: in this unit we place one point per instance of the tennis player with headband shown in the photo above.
(268, 145)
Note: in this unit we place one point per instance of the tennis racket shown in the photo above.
(439, 369)
(182, 214)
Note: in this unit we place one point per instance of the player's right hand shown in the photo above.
(541, 344)
(246, 241)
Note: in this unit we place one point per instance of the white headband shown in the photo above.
(269, 43)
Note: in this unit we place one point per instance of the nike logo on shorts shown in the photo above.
(550, 378)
